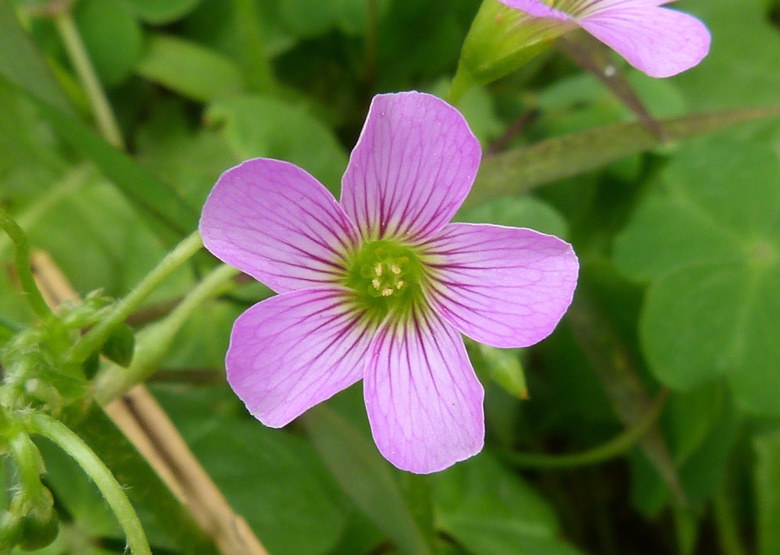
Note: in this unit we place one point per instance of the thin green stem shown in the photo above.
(79, 57)
(54, 430)
(94, 339)
(258, 71)
(23, 268)
(728, 531)
(613, 448)
(153, 342)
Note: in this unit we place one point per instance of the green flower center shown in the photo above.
(387, 278)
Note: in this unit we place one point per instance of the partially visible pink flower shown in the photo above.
(658, 41)
(379, 286)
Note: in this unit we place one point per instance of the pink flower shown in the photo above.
(380, 285)
(656, 40)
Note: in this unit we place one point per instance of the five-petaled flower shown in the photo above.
(380, 285)
(658, 41)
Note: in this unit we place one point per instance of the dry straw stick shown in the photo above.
(138, 415)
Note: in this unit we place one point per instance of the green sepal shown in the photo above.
(120, 345)
(91, 365)
(10, 531)
(39, 528)
(500, 41)
(503, 366)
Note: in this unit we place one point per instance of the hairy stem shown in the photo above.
(153, 342)
(73, 445)
(23, 269)
(94, 339)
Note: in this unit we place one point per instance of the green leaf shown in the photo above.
(492, 512)
(365, 476)
(251, 38)
(701, 426)
(30, 156)
(524, 168)
(265, 126)
(22, 64)
(352, 16)
(766, 479)
(112, 36)
(741, 68)
(312, 18)
(517, 211)
(166, 213)
(307, 18)
(190, 160)
(189, 69)
(158, 13)
(710, 245)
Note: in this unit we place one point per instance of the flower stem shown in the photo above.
(73, 445)
(728, 531)
(94, 339)
(153, 342)
(613, 448)
(79, 57)
(23, 269)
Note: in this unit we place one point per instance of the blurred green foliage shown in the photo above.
(679, 243)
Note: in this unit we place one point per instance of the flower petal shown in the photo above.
(412, 167)
(536, 8)
(277, 223)
(503, 286)
(423, 399)
(574, 8)
(658, 41)
(294, 350)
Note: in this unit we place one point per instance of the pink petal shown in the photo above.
(412, 167)
(536, 8)
(658, 41)
(423, 399)
(574, 8)
(292, 351)
(277, 223)
(503, 286)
